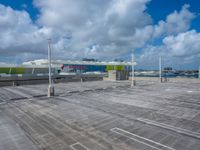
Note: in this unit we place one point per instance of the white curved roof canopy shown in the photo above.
(57, 63)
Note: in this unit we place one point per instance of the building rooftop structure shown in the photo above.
(41, 66)
(44, 62)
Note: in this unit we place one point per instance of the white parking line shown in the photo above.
(167, 89)
(172, 128)
(189, 91)
(139, 139)
(73, 146)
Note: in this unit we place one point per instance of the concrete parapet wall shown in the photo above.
(15, 80)
(191, 80)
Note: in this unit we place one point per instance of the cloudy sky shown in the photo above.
(102, 29)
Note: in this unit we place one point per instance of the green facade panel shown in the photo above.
(4, 70)
(115, 67)
(12, 70)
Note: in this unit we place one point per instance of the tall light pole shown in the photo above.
(133, 82)
(160, 68)
(50, 87)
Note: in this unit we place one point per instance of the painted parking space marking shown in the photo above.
(140, 139)
(79, 146)
(172, 128)
(189, 91)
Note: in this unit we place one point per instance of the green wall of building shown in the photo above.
(115, 67)
(12, 70)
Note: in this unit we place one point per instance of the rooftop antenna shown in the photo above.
(50, 87)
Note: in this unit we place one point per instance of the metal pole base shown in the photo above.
(50, 91)
(133, 83)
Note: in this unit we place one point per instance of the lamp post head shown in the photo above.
(49, 40)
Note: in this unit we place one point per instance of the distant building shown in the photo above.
(168, 68)
(61, 66)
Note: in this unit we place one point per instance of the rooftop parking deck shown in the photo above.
(101, 115)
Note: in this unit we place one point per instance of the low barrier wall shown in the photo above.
(177, 79)
(16, 80)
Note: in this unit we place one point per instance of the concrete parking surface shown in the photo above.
(101, 115)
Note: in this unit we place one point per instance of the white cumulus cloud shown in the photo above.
(182, 49)
(110, 24)
(19, 34)
(103, 29)
(185, 44)
(175, 23)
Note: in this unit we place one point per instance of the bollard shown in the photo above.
(133, 83)
(50, 91)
